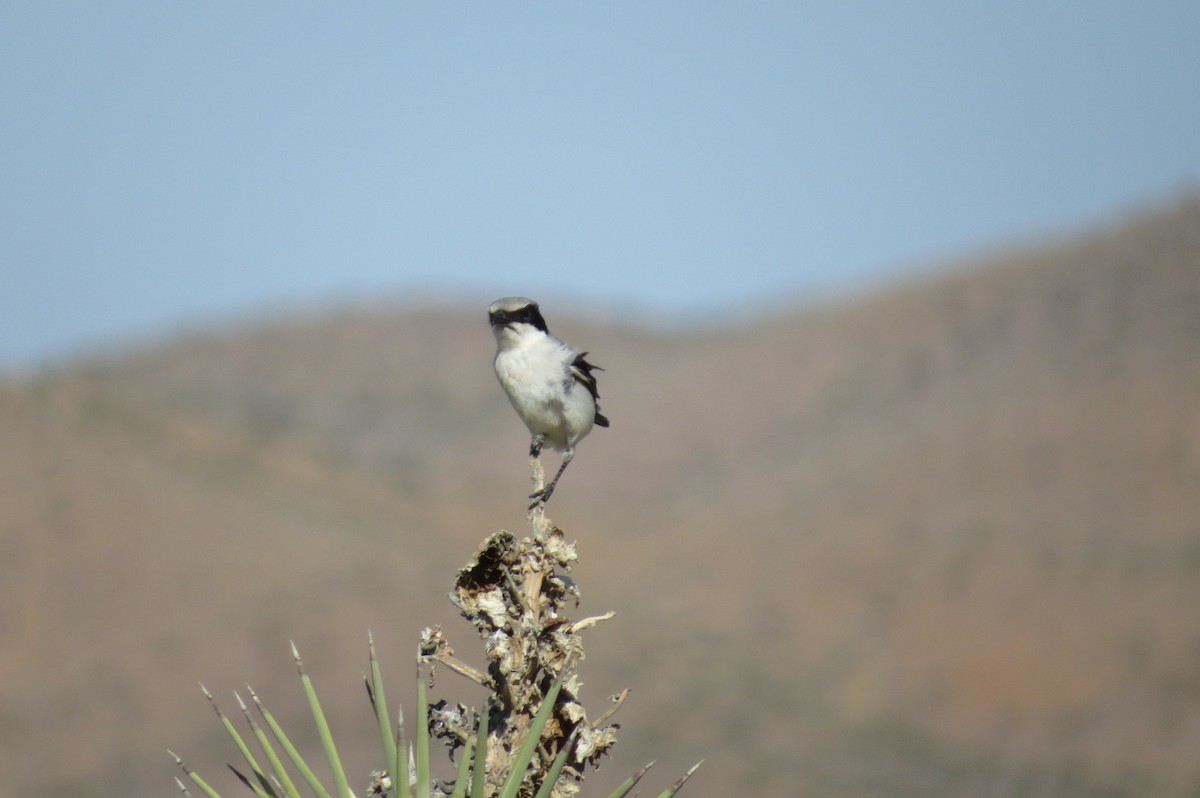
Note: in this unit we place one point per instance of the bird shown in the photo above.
(549, 383)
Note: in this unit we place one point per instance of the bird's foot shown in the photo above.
(535, 445)
(541, 496)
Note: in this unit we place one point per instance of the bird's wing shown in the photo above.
(582, 370)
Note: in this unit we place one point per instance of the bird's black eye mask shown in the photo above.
(528, 314)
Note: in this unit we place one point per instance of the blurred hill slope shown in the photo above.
(943, 539)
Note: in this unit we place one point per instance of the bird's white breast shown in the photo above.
(535, 371)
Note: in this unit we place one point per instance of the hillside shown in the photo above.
(943, 539)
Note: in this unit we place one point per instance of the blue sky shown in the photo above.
(174, 162)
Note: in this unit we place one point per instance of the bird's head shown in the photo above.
(514, 315)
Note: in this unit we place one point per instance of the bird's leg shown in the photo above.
(535, 462)
(535, 445)
(542, 496)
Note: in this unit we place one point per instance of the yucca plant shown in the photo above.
(531, 738)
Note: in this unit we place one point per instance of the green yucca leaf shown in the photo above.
(256, 789)
(281, 775)
(630, 782)
(515, 776)
(380, 703)
(557, 765)
(191, 774)
(674, 788)
(422, 733)
(264, 789)
(479, 774)
(331, 754)
(398, 765)
(460, 781)
(313, 782)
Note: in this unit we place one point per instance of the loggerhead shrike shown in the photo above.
(549, 383)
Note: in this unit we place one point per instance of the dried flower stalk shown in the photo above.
(515, 593)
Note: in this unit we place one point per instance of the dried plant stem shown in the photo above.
(515, 593)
